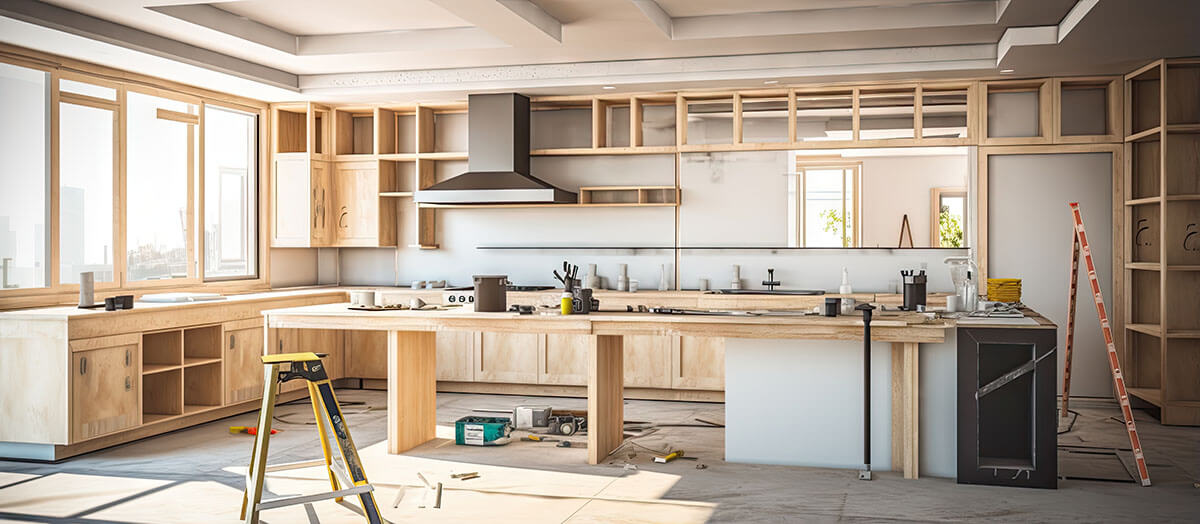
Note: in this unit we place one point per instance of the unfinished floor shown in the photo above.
(196, 475)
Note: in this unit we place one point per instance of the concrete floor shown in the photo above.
(197, 474)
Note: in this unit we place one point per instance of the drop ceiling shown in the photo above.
(438, 49)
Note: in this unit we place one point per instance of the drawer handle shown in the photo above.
(127, 358)
(128, 384)
(82, 365)
(231, 342)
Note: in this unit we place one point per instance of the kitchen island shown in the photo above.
(411, 367)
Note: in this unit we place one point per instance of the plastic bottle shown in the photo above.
(845, 288)
(566, 303)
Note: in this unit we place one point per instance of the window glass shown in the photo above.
(85, 174)
(951, 220)
(24, 176)
(230, 193)
(825, 213)
(158, 161)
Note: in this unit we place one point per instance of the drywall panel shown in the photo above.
(799, 402)
(1029, 237)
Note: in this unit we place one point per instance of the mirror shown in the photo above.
(843, 198)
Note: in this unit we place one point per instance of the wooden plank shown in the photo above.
(599, 123)
(905, 409)
(737, 118)
(635, 122)
(412, 389)
(606, 409)
(176, 116)
(87, 344)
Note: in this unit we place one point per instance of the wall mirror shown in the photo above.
(827, 199)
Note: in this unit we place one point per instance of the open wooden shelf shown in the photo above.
(1149, 329)
(150, 369)
(443, 155)
(164, 348)
(189, 361)
(629, 195)
(1151, 395)
(396, 194)
(150, 418)
(202, 385)
(353, 131)
(162, 395)
(1144, 266)
(585, 151)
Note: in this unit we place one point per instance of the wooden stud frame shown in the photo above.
(1114, 127)
(1045, 111)
(59, 67)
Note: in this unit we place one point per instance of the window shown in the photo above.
(948, 217)
(24, 175)
(230, 193)
(823, 205)
(86, 169)
(158, 178)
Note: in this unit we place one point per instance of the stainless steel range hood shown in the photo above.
(498, 159)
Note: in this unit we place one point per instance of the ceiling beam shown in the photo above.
(79, 24)
(971, 57)
(519, 23)
(656, 14)
(1045, 34)
(817, 21)
(231, 24)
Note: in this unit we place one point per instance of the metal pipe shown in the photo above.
(866, 309)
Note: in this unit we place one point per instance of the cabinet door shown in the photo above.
(648, 361)
(508, 357)
(243, 364)
(104, 391)
(456, 355)
(292, 195)
(698, 363)
(563, 360)
(321, 233)
(366, 354)
(292, 340)
(356, 208)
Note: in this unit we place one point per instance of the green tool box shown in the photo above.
(482, 431)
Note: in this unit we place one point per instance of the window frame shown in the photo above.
(935, 213)
(117, 107)
(803, 165)
(55, 292)
(261, 191)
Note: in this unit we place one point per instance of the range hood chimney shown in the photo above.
(498, 159)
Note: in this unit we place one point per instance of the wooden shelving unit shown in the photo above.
(181, 372)
(1162, 238)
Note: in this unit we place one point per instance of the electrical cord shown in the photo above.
(1071, 424)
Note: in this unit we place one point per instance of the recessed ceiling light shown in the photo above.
(770, 81)
(609, 87)
(1006, 71)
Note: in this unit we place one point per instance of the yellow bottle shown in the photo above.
(566, 303)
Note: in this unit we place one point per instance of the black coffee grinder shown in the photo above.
(914, 289)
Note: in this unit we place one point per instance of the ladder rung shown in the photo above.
(304, 499)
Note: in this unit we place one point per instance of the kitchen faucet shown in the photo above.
(770, 282)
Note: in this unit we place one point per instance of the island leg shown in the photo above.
(905, 413)
(606, 389)
(412, 389)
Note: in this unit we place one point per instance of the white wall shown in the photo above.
(1029, 237)
(895, 186)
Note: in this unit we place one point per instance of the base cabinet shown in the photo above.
(243, 363)
(292, 340)
(508, 357)
(648, 361)
(456, 355)
(104, 391)
(698, 363)
(562, 360)
(366, 354)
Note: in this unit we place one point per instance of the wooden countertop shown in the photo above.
(73, 312)
(888, 326)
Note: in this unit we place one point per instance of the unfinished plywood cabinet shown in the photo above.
(243, 361)
(361, 216)
(104, 391)
(508, 357)
(1161, 241)
(647, 361)
(698, 363)
(562, 359)
(301, 201)
(456, 355)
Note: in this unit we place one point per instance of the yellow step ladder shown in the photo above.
(306, 366)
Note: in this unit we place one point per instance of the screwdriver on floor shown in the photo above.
(252, 430)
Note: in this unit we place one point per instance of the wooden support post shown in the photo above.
(599, 123)
(905, 409)
(412, 389)
(737, 118)
(635, 122)
(606, 408)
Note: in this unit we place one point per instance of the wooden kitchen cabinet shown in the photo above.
(292, 340)
(562, 360)
(361, 217)
(104, 391)
(366, 354)
(456, 355)
(508, 357)
(301, 198)
(648, 361)
(243, 362)
(698, 363)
